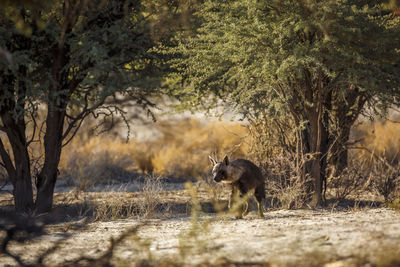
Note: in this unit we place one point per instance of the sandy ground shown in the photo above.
(282, 237)
(336, 237)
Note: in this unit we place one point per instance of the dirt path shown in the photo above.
(283, 237)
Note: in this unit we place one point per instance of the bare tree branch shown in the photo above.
(76, 122)
(73, 133)
(34, 129)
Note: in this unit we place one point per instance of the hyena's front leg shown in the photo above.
(260, 209)
(234, 205)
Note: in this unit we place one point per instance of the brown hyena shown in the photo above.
(243, 176)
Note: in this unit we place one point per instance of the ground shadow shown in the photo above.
(342, 204)
(71, 212)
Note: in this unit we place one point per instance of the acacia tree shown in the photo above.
(320, 62)
(78, 56)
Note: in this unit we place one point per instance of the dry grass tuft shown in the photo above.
(150, 196)
(117, 206)
(114, 208)
(384, 256)
(216, 192)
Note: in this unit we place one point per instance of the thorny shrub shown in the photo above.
(386, 180)
(273, 148)
(286, 183)
(351, 180)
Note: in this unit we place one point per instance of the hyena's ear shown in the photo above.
(226, 160)
(213, 161)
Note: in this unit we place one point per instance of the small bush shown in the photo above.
(273, 146)
(285, 182)
(150, 196)
(386, 180)
(353, 179)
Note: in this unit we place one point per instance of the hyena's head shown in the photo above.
(222, 171)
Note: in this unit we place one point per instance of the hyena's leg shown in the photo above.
(234, 203)
(245, 205)
(232, 197)
(245, 208)
(260, 197)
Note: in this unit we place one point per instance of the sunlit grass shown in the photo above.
(382, 139)
(180, 149)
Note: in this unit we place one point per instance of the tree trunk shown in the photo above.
(52, 144)
(44, 198)
(20, 172)
(305, 149)
(345, 113)
(319, 149)
(338, 157)
(56, 109)
(23, 195)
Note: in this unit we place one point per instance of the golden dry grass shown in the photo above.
(381, 138)
(180, 149)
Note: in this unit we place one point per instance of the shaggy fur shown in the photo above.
(243, 176)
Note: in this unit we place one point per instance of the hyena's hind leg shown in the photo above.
(259, 193)
(245, 208)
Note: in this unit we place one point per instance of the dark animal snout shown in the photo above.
(218, 178)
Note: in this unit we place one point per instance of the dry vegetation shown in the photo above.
(174, 148)
(151, 174)
(178, 149)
